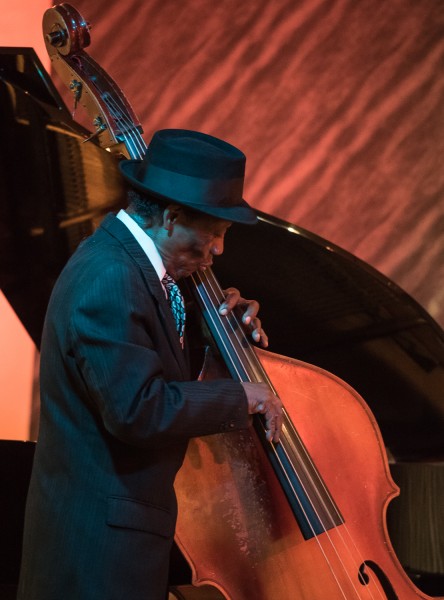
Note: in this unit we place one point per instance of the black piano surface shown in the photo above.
(319, 303)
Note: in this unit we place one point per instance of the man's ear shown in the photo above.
(170, 216)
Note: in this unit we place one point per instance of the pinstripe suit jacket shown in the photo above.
(117, 410)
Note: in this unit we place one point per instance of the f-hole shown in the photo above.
(364, 578)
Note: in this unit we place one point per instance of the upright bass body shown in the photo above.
(235, 518)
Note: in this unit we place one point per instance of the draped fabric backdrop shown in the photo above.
(338, 105)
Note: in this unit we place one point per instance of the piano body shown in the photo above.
(320, 305)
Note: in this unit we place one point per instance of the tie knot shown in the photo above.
(168, 280)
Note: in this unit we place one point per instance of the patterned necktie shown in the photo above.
(177, 305)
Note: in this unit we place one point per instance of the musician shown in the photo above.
(118, 405)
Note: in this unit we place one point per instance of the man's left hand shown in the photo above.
(249, 318)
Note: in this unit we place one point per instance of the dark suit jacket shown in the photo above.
(117, 410)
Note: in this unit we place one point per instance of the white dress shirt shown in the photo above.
(146, 243)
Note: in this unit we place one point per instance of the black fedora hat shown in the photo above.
(193, 169)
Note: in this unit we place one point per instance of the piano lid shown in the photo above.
(319, 304)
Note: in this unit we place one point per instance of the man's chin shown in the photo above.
(190, 270)
(182, 273)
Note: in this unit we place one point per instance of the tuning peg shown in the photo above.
(99, 125)
(76, 87)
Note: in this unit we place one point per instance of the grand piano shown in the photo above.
(320, 305)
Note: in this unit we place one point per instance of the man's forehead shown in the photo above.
(215, 224)
(205, 221)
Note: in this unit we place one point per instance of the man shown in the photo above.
(117, 402)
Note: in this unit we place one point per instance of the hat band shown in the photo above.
(197, 191)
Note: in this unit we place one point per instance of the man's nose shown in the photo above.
(217, 247)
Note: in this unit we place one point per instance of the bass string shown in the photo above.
(240, 347)
(137, 148)
(133, 140)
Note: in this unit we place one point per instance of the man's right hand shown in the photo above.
(262, 400)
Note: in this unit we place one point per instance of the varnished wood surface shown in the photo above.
(338, 104)
(239, 533)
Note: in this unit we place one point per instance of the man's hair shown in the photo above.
(150, 207)
(147, 206)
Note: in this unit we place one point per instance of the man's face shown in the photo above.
(188, 244)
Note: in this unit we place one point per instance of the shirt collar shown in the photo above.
(147, 244)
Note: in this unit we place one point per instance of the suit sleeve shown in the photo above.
(124, 361)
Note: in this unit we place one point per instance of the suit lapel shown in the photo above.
(119, 231)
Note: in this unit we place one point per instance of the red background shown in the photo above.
(338, 105)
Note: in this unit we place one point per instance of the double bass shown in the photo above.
(304, 519)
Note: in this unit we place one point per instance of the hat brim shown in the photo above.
(238, 213)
